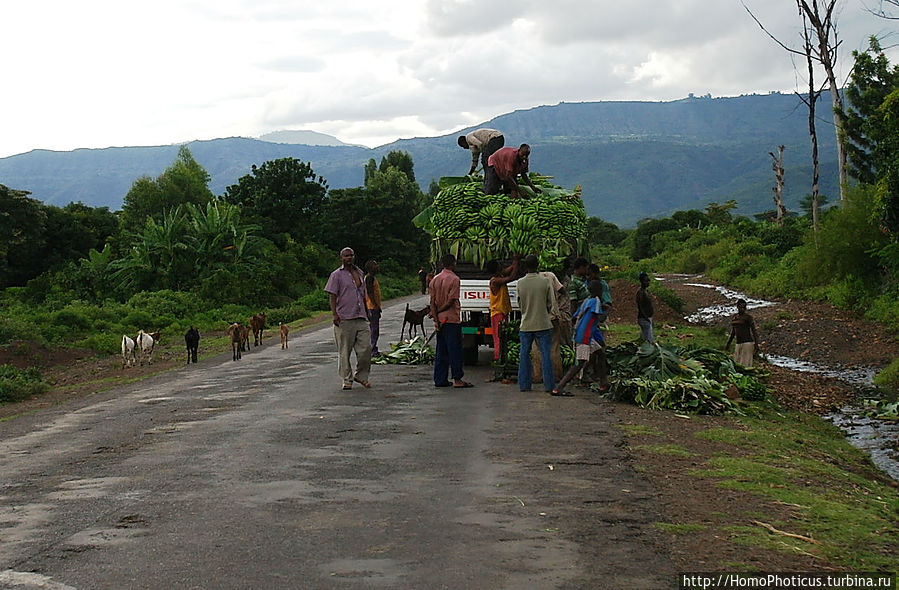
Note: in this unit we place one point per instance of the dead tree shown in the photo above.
(810, 101)
(882, 13)
(778, 167)
(823, 23)
(820, 46)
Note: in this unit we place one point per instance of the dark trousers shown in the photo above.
(374, 324)
(492, 183)
(449, 354)
(492, 145)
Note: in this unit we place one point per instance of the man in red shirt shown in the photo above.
(504, 167)
(446, 311)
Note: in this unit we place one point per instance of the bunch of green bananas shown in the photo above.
(465, 221)
(513, 352)
(569, 356)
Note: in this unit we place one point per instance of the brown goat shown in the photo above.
(257, 323)
(415, 320)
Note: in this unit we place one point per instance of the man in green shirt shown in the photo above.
(535, 299)
(577, 288)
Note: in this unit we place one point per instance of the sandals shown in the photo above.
(347, 386)
(363, 383)
(462, 384)
(563, 393)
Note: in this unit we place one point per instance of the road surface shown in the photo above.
(263, 474)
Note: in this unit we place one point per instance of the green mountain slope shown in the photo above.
(633, 159)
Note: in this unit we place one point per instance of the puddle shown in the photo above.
(711, 312)
(862, 377)
(877, 437)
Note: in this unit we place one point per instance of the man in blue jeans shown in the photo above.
(446, 311)
(535, 299)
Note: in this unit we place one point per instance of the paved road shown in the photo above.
(262, 474)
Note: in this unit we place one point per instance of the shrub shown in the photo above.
(106, 343)
(286, 314)
(159, 303)
(315, 300)
(888, 378)
(138, 319)
(16, 328)
(884, 309)
(18, 384)
(72, 319)
(668, 296)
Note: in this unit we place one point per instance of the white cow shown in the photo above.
(144, 344)
(127, 352)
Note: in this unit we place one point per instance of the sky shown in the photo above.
(101, 73)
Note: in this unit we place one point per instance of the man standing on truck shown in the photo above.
(535, 298)
(446, 309)
(482, 142)
(503, 169)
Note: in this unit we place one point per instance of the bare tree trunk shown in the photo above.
(826, 54)
(778, 167)
(813, 94)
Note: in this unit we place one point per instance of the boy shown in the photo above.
(742, 327)
(588, 340)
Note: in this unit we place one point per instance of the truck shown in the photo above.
(476, 228)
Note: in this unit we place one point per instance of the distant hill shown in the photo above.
(301, 137)
(633, 159)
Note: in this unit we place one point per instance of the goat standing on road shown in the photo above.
(257, 323)
(128, 359)
(192, 340)
(235, 335)
(284, 329)
(415, 319)
(144, 344)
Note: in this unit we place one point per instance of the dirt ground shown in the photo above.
(807, 331)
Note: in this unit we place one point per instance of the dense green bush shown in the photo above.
(105, 342)
(13, 327)
(285, 314)
(315, 300)
(884, 309)
(164, 302)
(888, 378)
(18, 384)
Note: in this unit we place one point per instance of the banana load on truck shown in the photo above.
(476, 227)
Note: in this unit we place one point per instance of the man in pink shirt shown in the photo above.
(503, 169)
(346, 293)
(446, 310)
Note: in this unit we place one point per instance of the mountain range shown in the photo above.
(633, 159)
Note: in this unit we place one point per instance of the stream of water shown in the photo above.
(877, 437)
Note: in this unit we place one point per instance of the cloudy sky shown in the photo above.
(100, 73)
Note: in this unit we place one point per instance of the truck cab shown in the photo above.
(474, 297)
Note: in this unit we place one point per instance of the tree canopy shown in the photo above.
(284, 197)
(185, 181)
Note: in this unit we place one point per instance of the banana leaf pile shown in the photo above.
(412, 352)
(881, 409)
(687, 379)
(476, 227)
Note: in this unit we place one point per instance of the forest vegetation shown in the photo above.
(178, 255)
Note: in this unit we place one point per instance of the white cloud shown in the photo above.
(106, 72)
